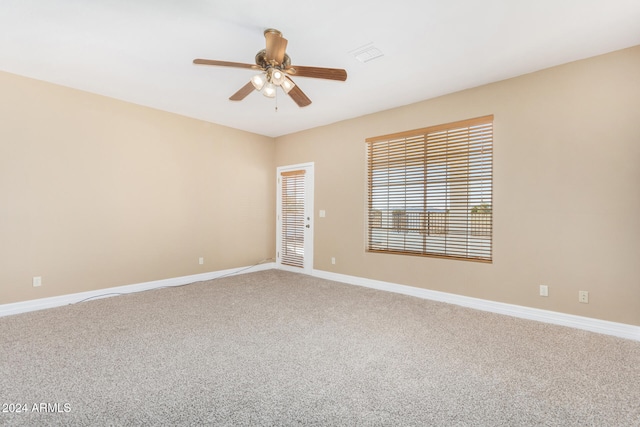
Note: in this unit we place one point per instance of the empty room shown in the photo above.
(330, 213)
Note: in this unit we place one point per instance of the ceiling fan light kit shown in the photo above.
(275, 66)
(268, 80)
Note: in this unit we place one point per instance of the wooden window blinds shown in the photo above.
(292, 218)
(430, 191)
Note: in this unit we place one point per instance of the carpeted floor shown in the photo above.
(277, 348)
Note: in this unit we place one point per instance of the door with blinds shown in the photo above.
(295, 218)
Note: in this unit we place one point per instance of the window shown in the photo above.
(430, 191)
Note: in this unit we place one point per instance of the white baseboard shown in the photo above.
(42, 303)
(585, 323)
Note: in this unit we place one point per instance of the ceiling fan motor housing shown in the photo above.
(261, 61)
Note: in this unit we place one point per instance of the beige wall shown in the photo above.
(97, 193)
(566, 190)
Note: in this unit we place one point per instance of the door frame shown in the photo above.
(308, 208)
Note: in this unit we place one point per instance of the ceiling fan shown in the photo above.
(275, 66)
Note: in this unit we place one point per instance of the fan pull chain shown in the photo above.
(276, 100)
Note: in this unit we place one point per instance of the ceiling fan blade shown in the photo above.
(224, 63)
(243, 92)
(276, 46)
(318, 72)
(299, 97)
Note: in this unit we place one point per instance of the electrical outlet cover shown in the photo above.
(583, 297)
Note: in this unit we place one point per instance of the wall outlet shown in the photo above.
(583, 297)
(201, 260)
(37, 281)
(544, 291)
(333, 260)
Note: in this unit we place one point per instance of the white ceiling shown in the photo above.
(141, 51)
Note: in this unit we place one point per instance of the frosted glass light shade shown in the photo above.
(258, 81)
(277, 77)
(269, 90)
(287, 85)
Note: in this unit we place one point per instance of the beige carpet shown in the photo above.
(277, 348)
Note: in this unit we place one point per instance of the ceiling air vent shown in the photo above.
(367, 53)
